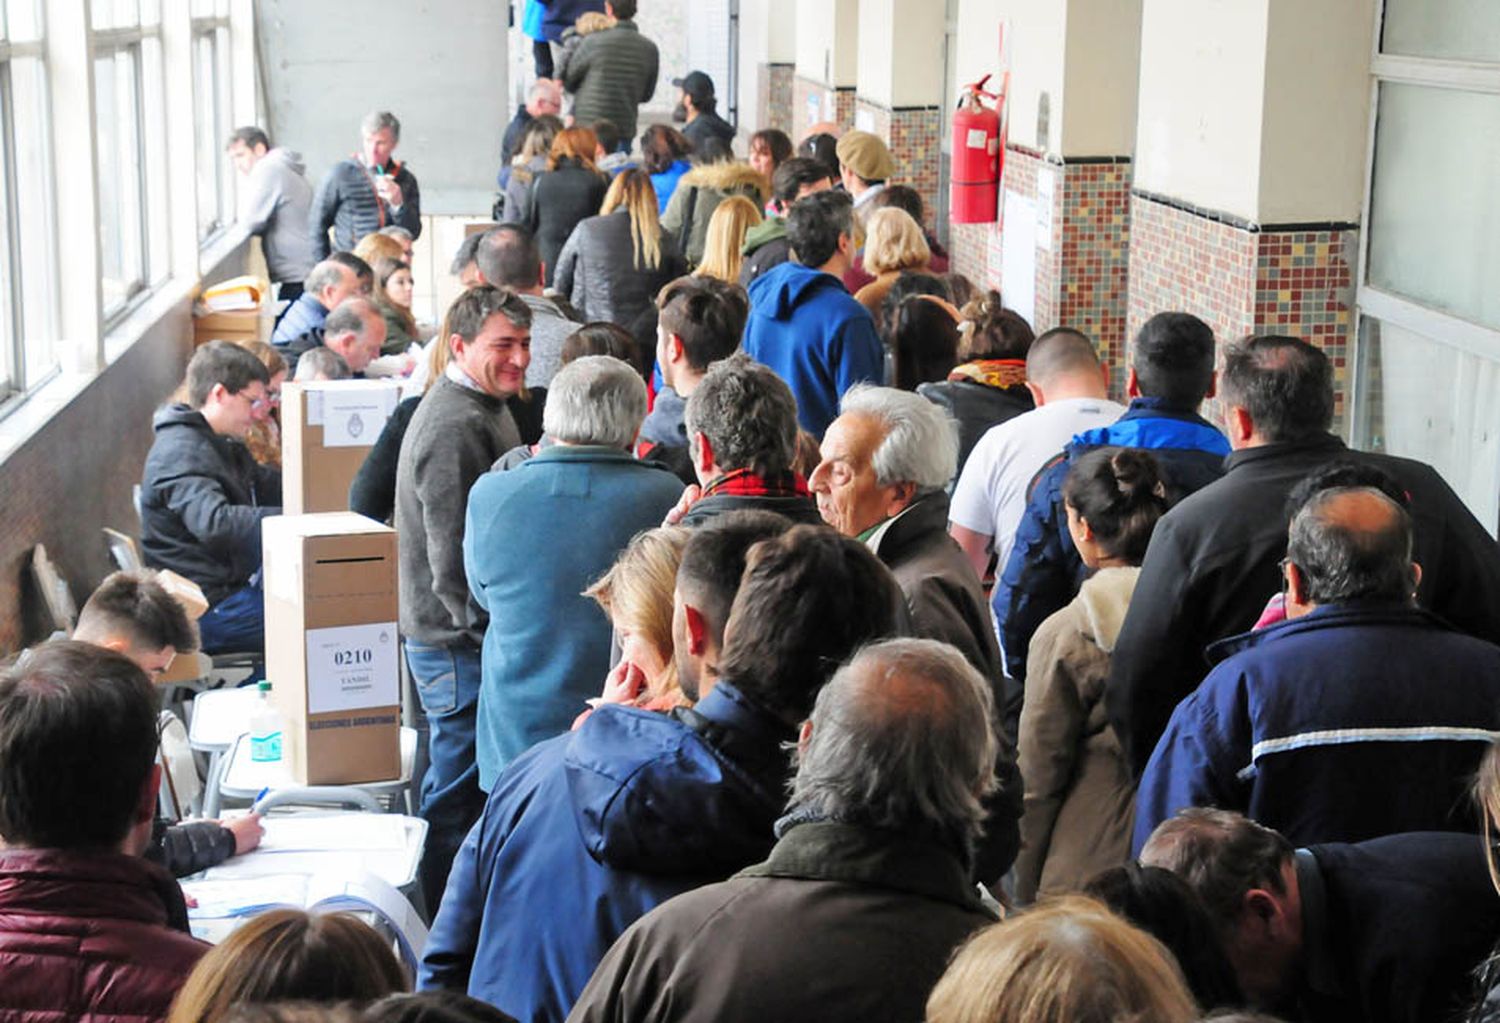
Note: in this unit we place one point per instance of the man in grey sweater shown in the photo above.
(613, 72)
(274, 205)
(461, 426)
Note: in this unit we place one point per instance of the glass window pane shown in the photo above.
(1432, 402)
(1445, 29)
(223, 111)
(1434, 208)
(23, 20)
(9, 370)
(154, 158)
(205, 132)
(35, 220)
(121, 198)
(150, 12)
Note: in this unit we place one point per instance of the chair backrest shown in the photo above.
(181, 792)
(57, 596)
(122, 548)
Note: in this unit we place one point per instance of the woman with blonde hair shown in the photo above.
(724, 245)
(568, 191)
(636, 593)
(289, 955)
(614, 263)
(1070, 960)
(893, 242)
(376, 246)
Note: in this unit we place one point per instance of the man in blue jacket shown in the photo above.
(1359, 716)
(588, 832)
(803, 322)
(1171, 375)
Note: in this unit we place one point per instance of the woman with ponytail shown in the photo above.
(615, 263)
(1080, 793)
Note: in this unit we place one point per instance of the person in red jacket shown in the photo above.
(88, 928)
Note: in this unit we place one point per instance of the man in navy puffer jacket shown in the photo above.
(586, 833)
(1172, 372)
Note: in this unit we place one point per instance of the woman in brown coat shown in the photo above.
(1080, 793)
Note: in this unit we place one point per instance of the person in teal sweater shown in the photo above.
(536, 536)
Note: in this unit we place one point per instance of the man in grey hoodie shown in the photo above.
(274, 205)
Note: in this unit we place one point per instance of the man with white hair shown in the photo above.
(536, 536)
(544, 97)
(886, 461)
(856, 911)
(367, 192)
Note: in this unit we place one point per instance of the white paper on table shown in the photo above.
(220, 897)
(352, 667)
(365, 832)
(1018, 255)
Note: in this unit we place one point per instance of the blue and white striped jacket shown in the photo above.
(1354, 721)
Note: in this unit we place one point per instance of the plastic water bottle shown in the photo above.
(265, 728)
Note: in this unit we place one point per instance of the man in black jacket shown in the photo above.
(368, 191)
(1214, 558)
(696, 109)
(1384, 931)
(203, 495)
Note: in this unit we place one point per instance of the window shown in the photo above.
(28, 277)
(1428, 367)
(211, 114)
(129, 118)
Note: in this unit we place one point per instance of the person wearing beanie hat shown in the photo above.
(865, 165)
(695, 110)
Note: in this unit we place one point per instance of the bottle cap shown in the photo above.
(263, 686)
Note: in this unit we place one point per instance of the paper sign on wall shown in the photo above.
(1018, 255)
(352, 667)
(354, 418)
(864, 120)
(814, 108)
(1045, 182)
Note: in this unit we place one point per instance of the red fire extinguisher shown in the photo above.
(978, 156)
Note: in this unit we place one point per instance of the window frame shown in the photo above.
(16, 382)
(1379, 303)
(216, 28)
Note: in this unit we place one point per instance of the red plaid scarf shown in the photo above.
(746, 483)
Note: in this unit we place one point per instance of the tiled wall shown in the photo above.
(1082, 267)
(913, 135)
(836, 105)
(1242, 279)
(774, 97)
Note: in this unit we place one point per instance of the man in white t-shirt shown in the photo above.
(1065, 376)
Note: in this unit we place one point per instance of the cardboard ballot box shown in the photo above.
(331, 645)
(327, 430)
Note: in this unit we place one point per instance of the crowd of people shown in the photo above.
(796, 633)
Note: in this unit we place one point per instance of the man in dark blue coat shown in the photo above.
(584, 834)
(1384, 931)
(1361, 715)
(1173, 372)
(203, 495)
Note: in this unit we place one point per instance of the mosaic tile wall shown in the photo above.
(813, 102)
(1243, 281)
(914, 137)
(774, 97)
(1092, 263)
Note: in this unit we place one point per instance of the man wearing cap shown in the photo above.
(695, 110)
(865, 164)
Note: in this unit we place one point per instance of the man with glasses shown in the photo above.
(203, 495)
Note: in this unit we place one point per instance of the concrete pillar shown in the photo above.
(1072, 113)
(1247, 197)
(901, 87)
(768, 63)
(827, 46)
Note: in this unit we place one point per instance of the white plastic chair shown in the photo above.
(181, 792)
